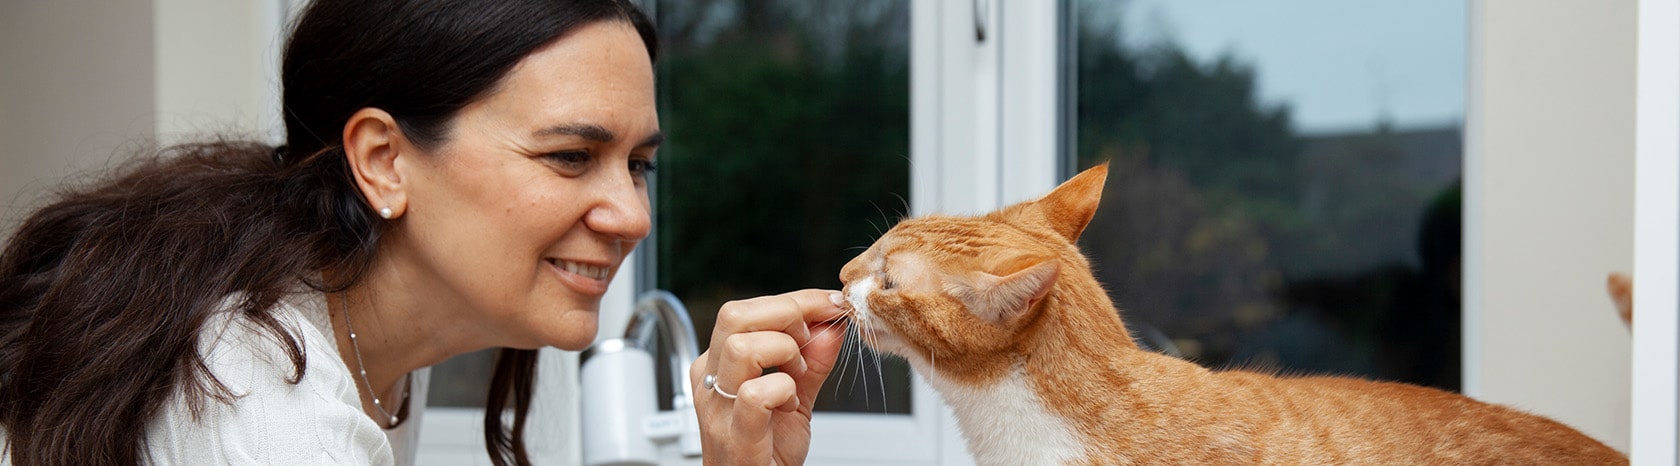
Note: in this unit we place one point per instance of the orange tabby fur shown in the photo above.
(1620, 287)
(977, 304)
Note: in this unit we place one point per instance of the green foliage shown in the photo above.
(777, 160)
(784, 153)
(1247, 242)
(788, 153)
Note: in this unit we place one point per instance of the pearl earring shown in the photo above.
(385, 213)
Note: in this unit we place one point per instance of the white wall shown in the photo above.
(217, 69)
(85, 83)
(1550, 134)
(76, 82)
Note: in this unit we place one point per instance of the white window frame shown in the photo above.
(1656, 331)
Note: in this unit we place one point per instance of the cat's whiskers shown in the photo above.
(884, 219)
(882, 379)
(868, 341)
(852, 344)
(851, 341)
(858, 349)
(904, 202)
(845, 315)
(857, 346)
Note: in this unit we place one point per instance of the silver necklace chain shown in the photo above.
(362, 367)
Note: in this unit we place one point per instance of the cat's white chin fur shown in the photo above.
(1005, 423)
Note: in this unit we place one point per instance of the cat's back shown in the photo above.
(1352, 421)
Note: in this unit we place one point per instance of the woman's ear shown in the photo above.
(372, 145)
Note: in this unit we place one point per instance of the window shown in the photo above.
(1275, 199)
(1256, 228)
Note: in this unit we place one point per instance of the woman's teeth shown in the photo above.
(598, 273)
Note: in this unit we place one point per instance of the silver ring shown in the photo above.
(709, 382)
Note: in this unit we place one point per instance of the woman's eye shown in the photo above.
(642, 168)
(574, 159)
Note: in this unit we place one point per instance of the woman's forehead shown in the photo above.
(598, 75)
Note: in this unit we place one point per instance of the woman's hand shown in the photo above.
(769, 421)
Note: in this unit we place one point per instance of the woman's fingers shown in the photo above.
(772, 392)
(787, 312)
(697, 372)
(735, 360)
(759, 400)
(795, 332)
(819, 354)
(751, 353)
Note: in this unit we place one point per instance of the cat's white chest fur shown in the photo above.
(1005, 423)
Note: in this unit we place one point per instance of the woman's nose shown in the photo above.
(621, 210)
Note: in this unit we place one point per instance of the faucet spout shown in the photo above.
(660, 313)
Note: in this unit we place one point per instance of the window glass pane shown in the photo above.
(1285, 184)
(788, 152)
(462, 381)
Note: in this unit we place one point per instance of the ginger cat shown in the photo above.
(1001, 315)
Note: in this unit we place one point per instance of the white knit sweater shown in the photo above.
(319, 420)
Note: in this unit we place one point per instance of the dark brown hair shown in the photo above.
(104, 292)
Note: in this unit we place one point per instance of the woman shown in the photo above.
(458, 175)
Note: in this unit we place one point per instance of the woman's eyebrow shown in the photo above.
(584, 130)
(653, 140)
(596, 133)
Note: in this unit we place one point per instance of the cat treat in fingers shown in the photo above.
(1001, 315)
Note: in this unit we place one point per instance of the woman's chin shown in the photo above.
(573, 345)
(578, 332)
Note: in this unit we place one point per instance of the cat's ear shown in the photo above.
(1001, 298)
(1070, 207)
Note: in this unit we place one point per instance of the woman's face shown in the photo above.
(519, 220)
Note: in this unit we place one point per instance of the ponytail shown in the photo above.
(104, 292)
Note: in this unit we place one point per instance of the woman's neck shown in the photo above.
(398, 328)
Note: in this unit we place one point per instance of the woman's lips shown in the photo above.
(588, 279)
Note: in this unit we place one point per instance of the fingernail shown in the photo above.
(837, 299)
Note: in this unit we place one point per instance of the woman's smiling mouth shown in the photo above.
(585, 278)
(598, 273)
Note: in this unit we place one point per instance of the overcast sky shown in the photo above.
(1340, 64)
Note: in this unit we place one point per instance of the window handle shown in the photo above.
(982, 8)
